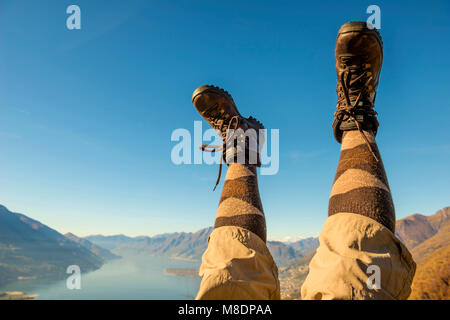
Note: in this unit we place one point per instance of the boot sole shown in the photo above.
(216, 90)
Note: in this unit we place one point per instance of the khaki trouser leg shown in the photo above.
(353, 247)
(237, 265)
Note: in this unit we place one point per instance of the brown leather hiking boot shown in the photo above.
(359, 56)
(242, 138)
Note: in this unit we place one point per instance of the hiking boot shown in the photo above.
(242, 138)
(359, 56)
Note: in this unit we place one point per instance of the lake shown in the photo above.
(126, 278)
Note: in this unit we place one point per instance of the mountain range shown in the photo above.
(427, 238)
(191, 245)
(29, 248)
(103, 253)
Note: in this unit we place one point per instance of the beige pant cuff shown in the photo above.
(237, 265)
(353, 249)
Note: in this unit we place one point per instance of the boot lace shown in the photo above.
(354, 91)
(219, 125)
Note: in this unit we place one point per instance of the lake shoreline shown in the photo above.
(17, 295)
(132, 277)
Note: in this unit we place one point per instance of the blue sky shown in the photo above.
(86, 115)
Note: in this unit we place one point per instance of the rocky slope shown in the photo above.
(431, 281)
(415, 229)
(432, 256)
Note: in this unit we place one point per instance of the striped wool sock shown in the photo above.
(240, 204)
(361, 185)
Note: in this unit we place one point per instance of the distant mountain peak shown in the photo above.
(416, 228)
(103, 253)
